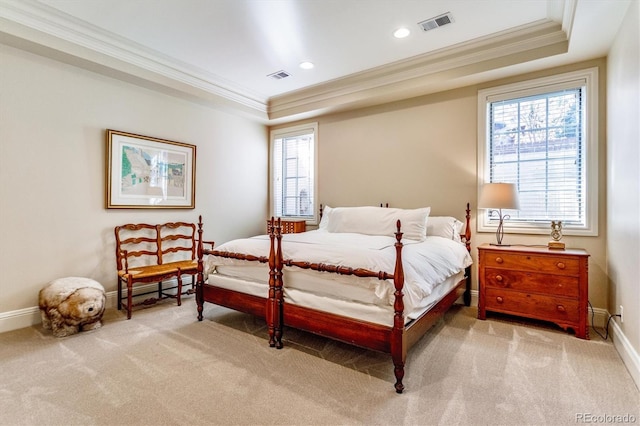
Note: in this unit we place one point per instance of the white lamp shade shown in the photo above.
(499, 196)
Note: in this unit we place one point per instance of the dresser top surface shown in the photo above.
(535, 250)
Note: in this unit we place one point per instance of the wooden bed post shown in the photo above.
(398, 346)
(467, 241)
(279, 294)
(271, 300)
(200, 278)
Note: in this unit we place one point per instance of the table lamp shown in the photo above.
(498, 196)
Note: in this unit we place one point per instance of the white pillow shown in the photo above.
(444, 226)
(326, 217)
(379, 221)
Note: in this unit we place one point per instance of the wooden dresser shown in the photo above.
(540, 283)
(291, 226)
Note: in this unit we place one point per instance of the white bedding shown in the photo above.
(379, 313)
(426, 264)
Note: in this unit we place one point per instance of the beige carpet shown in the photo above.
(163, 367)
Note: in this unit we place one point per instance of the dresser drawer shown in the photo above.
(540, 306)
(291, 226)
(535, 282)
(552, 284)
(562, 265)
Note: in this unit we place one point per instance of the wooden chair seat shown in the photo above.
(152, 272)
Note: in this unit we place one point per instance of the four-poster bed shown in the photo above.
(303, 282)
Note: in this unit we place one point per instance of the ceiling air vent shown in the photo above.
(436, 22)
(279, 75)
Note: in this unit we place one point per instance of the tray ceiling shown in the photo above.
(222, 51)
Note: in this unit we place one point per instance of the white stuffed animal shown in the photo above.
(72, 304)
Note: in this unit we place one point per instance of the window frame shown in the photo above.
(288, 132)
(588, 78)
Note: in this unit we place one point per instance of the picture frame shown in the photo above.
(147, 172)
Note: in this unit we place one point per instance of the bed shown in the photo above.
(373, 277)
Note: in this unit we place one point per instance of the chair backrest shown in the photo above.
(137, 245)
(177, 241)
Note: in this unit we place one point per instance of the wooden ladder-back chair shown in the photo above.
(154, 254)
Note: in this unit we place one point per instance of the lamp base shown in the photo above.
(500, 245)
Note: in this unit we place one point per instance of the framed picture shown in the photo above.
(146, 172)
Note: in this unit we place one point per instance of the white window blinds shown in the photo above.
(293, 173)
(537, 143)
(541, 135)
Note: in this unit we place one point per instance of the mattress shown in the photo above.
(432, 267)
(426, 265)
(353, 302)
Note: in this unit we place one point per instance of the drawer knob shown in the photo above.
(499, 299)
(561, 265)
(499, 260)
(499, 278)
(561, 308)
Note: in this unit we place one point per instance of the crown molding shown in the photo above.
(420, 74)
(40, 24)
(45, 30)
(563, 11)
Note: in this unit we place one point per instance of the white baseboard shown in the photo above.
(28, 317)
(21, 318)
(112, 296)
(600, 317)
(629, 355)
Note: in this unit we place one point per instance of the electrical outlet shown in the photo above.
(621, 313)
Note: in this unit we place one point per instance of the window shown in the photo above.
(542, 136)
(293, 172)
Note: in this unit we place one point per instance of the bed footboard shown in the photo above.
(269, 308)
(320, 323)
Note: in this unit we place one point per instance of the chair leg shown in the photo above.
(129, 297)
(179, 294)
(119, 293)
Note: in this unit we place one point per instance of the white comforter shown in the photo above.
(426, 264)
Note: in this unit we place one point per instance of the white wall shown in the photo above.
(623, 178)
(52, 157)
(423, 151)
(409, 154)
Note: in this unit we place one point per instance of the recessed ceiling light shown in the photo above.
(306, 65)
(401, 33)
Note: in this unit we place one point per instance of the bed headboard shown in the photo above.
(466, 237)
